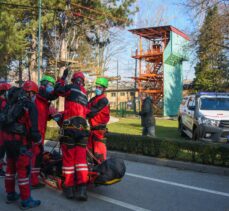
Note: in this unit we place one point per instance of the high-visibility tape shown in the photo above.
(68, 168)
(68, 172)
(82, 169)
(80, 165)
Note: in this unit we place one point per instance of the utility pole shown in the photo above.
(135, 84)
(56, 53)
(39, 41)
(117, 90)
(20, 81)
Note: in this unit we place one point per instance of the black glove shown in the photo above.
(36, 137)
(65, 74)
(43, 92)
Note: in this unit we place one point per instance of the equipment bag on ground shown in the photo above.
(109, 172)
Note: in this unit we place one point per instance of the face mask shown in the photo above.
(33, 98)
(49, 88)
(79, 82)
(98, 91)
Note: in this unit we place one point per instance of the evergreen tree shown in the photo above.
(78, 23)
(212, 69)
(12, 41)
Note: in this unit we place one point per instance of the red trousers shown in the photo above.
(96, 144)
(74, 164)
(21, 166)
(36, 163)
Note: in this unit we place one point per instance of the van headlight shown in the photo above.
(208, 122)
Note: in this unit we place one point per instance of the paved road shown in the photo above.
(145, 187)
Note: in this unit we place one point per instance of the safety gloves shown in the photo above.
(65, 74)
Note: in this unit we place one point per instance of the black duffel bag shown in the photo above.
(110, 171)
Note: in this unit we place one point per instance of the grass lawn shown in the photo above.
(164, 128)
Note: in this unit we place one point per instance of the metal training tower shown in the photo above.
(160, 57)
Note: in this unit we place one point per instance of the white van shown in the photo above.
(205, 116)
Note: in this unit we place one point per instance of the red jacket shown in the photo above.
(42, 105)
(99, 111)
(29, 118)
(75, 99)
(2, 103)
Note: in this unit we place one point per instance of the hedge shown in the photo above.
(199, 152)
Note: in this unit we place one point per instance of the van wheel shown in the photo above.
(195, 135)
(181, 128)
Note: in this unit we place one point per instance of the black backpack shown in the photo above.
(14, 107)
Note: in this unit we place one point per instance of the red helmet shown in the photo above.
(78, 75)
(30, 86)
(4, 86)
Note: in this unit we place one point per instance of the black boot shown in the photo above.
(69, 192)
(82, 192)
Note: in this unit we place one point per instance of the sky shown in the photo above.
(171, 12)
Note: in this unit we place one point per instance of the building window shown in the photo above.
(122, 94)
(131, 93)
(113, 94)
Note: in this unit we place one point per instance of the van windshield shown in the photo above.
(214, 103)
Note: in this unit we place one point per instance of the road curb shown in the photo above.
(171, 163)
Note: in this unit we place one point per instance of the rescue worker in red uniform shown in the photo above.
(3, 88)
(43, 99)
(21, 126)
(74, 135)
(98, 118)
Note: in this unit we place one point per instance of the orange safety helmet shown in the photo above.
(30, 86)
(4, 86)
(78, 75)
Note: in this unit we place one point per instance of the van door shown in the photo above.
(184, 110)
(190, 113)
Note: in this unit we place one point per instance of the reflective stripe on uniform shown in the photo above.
(67, 168)
(35, 170)
(68, 172)
(82, 169)
(23, 181)
(10, 175)
(80, 165)
(9, 178)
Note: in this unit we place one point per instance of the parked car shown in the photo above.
(205, 116)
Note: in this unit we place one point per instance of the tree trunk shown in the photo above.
(33, 59)
(20, 81)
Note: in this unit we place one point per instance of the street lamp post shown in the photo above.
(39, 41)
(135, 84)
(117, 90)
